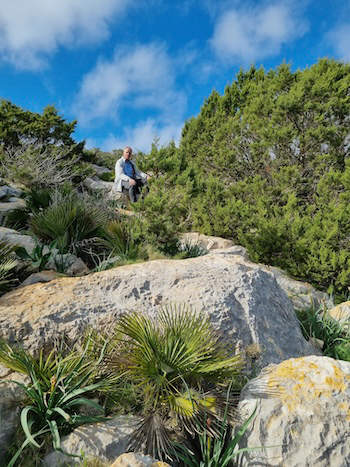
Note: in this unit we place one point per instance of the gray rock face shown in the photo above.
(302, 294)
(243, 302)
(9, 191)
(100, 170)
(105, 441)
(15, 238)
(42, 276)
(97, 185)
(15, 203)
(10, 395)
(306, 421)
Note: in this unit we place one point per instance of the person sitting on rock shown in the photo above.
(128, 176)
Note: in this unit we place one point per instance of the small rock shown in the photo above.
(10, 395)
(13, 237)
(205, 241)
(137, 459)
(104, 440)
(97, 185)
(341, 313)
(17, 203)
(10, 191)
(42, 276)
(100, 170)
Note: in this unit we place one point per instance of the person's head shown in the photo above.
(127, 153)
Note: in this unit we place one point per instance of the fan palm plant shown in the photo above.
(68, 220)
(177, 362)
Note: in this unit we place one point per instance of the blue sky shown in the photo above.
(133, 70)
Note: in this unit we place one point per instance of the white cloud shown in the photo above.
(247, 34)
(32, 29)
(142, 77)
(142, 135)
(339, 38)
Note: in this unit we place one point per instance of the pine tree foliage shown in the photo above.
(267, 165)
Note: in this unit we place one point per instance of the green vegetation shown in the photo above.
(205, 450)
(8, 264)
(59, 385)
(67, 221)
(179, 369)
(335, 336)
(38, 258)
(266, 165)
(174, 371)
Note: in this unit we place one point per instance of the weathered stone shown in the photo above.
(104, 440)
(71, 264)
(10, 191)
(42, 276)
(16, 203)
(13, 237)
(242, 301)
(302, 414)
(137, 459)
(341, 313)
(205, 241)
(10, 395)
(100, 170)
(97, 185)
(302, 294)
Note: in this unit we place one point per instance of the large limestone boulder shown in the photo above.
(302, 294)
(243, 301)
(104, 440)
(303, 414)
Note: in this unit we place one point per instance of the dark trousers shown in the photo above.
(134, 190)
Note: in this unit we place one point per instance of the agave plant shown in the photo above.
(176, 361)
(59, 385)
(7, 266)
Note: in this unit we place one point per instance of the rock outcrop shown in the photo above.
(242, 300)
(303, 414)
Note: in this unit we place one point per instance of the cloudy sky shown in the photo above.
(133, 70)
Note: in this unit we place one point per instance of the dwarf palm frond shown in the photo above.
(176, 359)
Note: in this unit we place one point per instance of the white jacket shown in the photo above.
(120, 175)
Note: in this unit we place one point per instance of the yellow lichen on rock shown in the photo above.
(299, 380)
